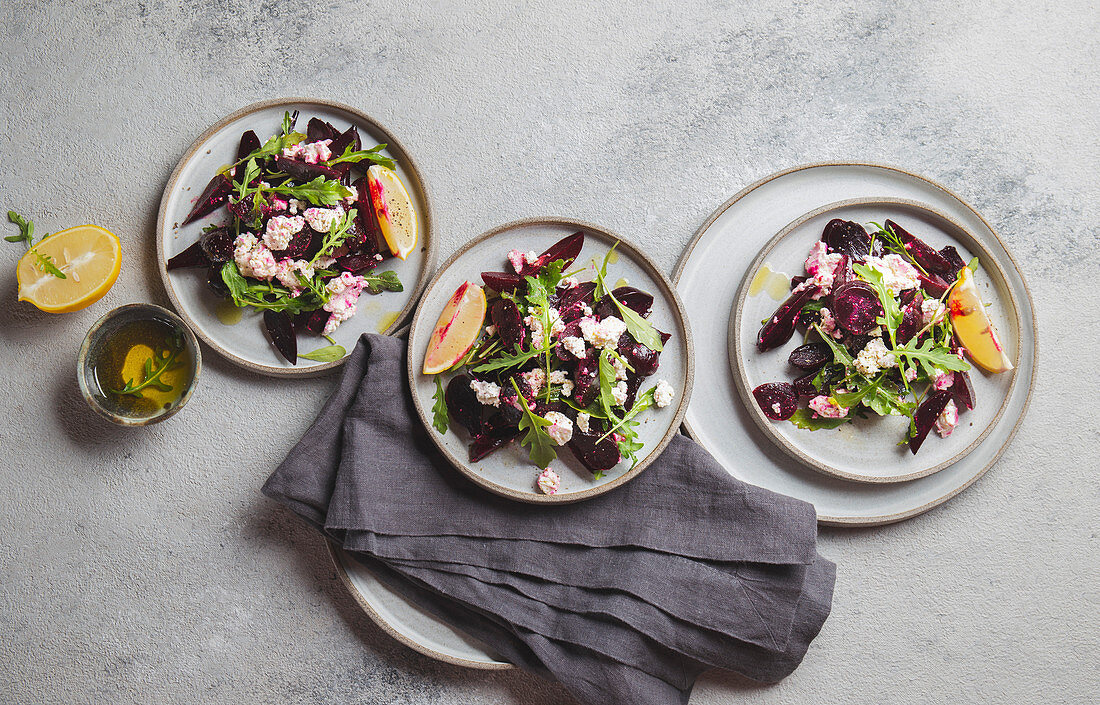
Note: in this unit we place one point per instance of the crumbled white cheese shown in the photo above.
(942, 380)
(827, 407)
(520, 259)
(534, 324)
(311, 152)
(490, 330)
(602, 334)
(280, 229)
(567, 388)
(534, 380)
(322, 219)
(344, 292)
(932, 311)
(548, 481)
(619, 367)
(287, 272)
(947, 420)
(874, 357)
(828, 324)
(821, 266)
(618, 393)
(897, 274)
(488, 393)
(560, 428)
(569, 282)
(582, 421)
(253, 258)
(573, 345)
(663, 394)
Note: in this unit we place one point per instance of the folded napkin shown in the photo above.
(623, 598)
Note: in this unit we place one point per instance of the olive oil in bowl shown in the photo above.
(138, 365)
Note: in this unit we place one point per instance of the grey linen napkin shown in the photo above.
(623, 598)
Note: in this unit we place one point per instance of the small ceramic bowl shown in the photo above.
(94, 348)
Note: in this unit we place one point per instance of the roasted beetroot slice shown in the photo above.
(584, 292)
(193, 256)
(780, 327)
(843, 272)
(281, 329)
(299, 243)
(962, 391)
(933, 285)
(777, 400)
(586, 381)
(565, 249)
(249, 143)
(497, 432)
(932, 261)
(856, 306)
(356, 264)
(462, 404)
(572, 329)
(597, 457)
(214, 280)
(312, 321)
(911, 320)
(215, 194)
(368, 219)
(502, 282)
(804, 386)
(218, 244)
(810, 357)
(635, 299)
(509, 323)
(341, 142)
(317, 130)
(925, 417)
(644, 360)
(847, 238)
(952, 255)
(304, 171)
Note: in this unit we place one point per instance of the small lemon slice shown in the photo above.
(394, 208)
(89, 257)
(458, 327)
(973, 327)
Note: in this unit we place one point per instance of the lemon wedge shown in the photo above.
(394, 208)
(973, 327)
(458, 327)
(89, 257)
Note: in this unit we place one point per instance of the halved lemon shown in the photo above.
(973, 327)
(459, 325)
(394, 208)
(89, 257)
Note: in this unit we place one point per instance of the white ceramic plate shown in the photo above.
(406, 622)
(509, 471)
(244, 341)
(708, 277)
(867, 450)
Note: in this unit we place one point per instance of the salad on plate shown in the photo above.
(540, 355)
(311, 218)
(889, 323)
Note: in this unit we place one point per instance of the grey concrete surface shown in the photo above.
(145, 567)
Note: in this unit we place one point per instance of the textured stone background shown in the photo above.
(144, 566)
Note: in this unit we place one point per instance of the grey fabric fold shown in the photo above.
(624, 598)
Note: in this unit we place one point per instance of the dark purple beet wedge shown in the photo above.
(502, 282)
(644, 360)
(281, 329)
(565, 249)
(218, 244)
(462, 404)
(933, 285)
(925, 417)
(587, 381)
(952, 255)
(847, 238)
(856, 306)
(912, 317)
(509, 323)
(368, 219)
(341, 142)
(496, 432)
(780, 327)
(962, 391)
(810, 357)
(193, 256)
(304, 171)
(636, 299)
(584, 292)
(249, 143)
(317, 130)
(932, 261)
(299, 243)
(214, 280)
(777, 400)
(596, 456)
(215, 194)
(311, 321)
(357, 264)
(804, 386)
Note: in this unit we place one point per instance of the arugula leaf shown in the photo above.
(850, 399)
(641, 403)
(803, 418)
(328, 353)
(45, 263)
(506, 360)
(320, 191)
(639, 328)
(840, 353)
(440, 417)
(288, 122)
(384, 281)
(893, 315)
(26, 229)
(607, 383)
(539, 444)
(251, 171)
(263, 296)
(339, 231)
(155, 366)
(372, 155)
(930, 355)
(895, 245)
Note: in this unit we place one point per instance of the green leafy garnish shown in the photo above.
(639, 328)
(840, 353)
(266, 296)
(440, 418)
(339, 231)
(894, 244)
(329, 353)
(804, 418)
(372, 154)
(251, 171)
(320, 191)
(538, 443)
(607, 383)
(893, 315)
(26, 235)
(288, 122)
(383, 281)
(930, 355)
(155, 366)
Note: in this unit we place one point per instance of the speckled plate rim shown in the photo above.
(394, 630)
(86, 346)
(668, 290)
(737, 352)
(897, 516)
(408, 162)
